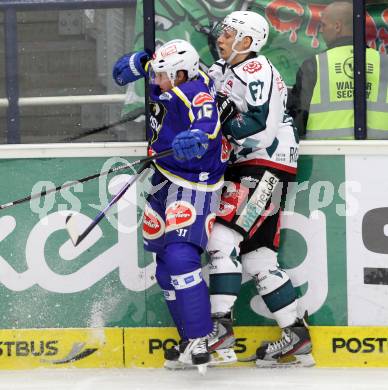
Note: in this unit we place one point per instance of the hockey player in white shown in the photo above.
(252, 99)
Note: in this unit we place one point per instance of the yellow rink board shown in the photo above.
(334, 346)
(51, 348)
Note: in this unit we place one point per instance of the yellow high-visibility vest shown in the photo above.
(331, 114)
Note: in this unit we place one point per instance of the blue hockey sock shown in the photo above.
(192, 295)
(194, 304)
(164, 281)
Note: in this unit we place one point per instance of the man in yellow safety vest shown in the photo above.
(321, 101)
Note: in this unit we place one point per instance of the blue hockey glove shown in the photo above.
(190, 144)
(130, 67)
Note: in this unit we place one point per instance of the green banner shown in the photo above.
(110, 281)
(294, 31)
(45, 282)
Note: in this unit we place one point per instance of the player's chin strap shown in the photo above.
(235, 52)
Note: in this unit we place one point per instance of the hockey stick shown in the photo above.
(128, 118)
(71, 220)
(87, 178)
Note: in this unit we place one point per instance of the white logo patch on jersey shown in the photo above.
(165, 96)
(203, 176)
(257, 202)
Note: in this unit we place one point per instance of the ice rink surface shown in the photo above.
(215, 379)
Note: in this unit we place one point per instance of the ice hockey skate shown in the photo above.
(222, 340)
(292, 349)
(192, 353)
(220, 344)
(222, 335)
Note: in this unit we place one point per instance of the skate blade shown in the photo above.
(294, 361)
(251, 358)
(177, 365)
(219, 357)
(223, 356)
(202, 369)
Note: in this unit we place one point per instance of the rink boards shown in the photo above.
(98, 305)
(334, 346)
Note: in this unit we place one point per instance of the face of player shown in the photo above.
(162, 80)
(225, 43)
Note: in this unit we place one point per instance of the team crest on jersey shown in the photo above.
(179, 215)
(158, 112)
(252, 67)
(153, 224)
(226, 150)
(202, 98)
(209, 223)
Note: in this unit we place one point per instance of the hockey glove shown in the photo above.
(226, 107)
(190, 144)
(130, 67)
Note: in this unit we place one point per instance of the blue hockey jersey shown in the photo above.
(189, 106)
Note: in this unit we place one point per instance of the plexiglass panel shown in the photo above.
(71, 53)
(64, 53)
(377, 70)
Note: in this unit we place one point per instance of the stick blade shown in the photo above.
(72, 228)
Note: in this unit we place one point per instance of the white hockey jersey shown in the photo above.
(262, 133)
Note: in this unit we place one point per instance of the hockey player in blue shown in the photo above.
(179, 216)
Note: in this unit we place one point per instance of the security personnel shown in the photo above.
(321, 101)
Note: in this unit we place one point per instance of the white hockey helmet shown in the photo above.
(176, 55)
(248, 24)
